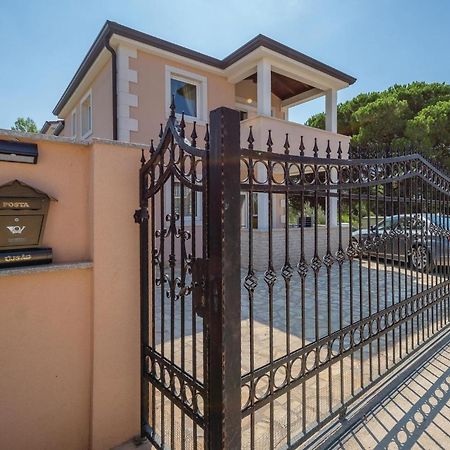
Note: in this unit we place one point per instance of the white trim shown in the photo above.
(73, 123)
(91, 119)
(200, 81)
(304, 97)
(126, 100)
(284, 66)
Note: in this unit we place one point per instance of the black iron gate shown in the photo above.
(190, 384)
(256, 334)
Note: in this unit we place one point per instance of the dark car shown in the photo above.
(421, 240)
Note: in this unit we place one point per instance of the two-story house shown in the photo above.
(123, 89)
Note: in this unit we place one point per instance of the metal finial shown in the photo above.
(142, 157)
(339, 151)
(161, 131)
(269, 142)
(315, 149)
(207, 137)
(182, 125)
(152, 148)
(250, 139)
(302, 147)
(328, 150)
(172, 107)
(286, 144)
(194, 136)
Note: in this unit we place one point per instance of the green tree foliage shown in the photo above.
(25, 124)
(413, 114)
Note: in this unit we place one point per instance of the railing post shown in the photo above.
(224, 299)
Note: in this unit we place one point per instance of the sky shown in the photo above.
(380, 42)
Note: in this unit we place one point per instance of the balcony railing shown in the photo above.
(262, 124)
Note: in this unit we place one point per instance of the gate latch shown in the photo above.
(199, 283)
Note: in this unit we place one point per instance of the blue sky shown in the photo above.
(379, 42)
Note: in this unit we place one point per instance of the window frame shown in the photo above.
(90, 130)
(200, 82)
(198, 214)
(73, 118)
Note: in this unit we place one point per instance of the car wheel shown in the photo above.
(420, 258)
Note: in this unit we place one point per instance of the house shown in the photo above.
(123, 88)
(52, 127)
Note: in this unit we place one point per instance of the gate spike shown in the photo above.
(172, 107)
(269, 142)
(142, 157)
(152, 148)
(194, 136)
(207, 137)
(339, 151)
(250, 139)
(328, 150)
(182, 126)
(302, 147)
(161, 131)
(315, 149)
(286, 145)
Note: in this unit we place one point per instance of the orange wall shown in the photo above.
(63, 172)
(45, 354)
(116, 335)
(69, 340)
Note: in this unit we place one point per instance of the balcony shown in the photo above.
(262, 124)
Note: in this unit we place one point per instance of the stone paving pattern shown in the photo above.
(327, 386)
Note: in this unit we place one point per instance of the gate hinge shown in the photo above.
(199, 285)
(140, 215)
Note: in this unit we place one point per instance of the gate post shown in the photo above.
(224, 297)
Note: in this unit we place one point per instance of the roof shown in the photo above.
(113, 28)
(55, 126)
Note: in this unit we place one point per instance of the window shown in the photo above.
(189, 91)
(74, 123)
(179, 203)
(183, 199)
(185, 96)
(86, 115)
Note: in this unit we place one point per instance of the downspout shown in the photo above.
(114, 86)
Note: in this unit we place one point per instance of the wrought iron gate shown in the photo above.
(190, 385)
(258, 336)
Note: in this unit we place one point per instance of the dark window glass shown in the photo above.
(185, 97)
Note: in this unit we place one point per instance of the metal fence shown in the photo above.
(239, 355)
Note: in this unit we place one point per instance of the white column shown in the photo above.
(263, 200)
(331, 110)
(264, 88)
(263, 211)
(331, 125)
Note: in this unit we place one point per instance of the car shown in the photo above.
(421, 240)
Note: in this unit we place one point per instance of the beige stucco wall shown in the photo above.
(150, 90)
(102, 116)
(69, 346)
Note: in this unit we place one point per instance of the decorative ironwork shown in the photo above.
(370, 285)
(344, 270)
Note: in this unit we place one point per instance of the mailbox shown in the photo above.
(23, 214)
